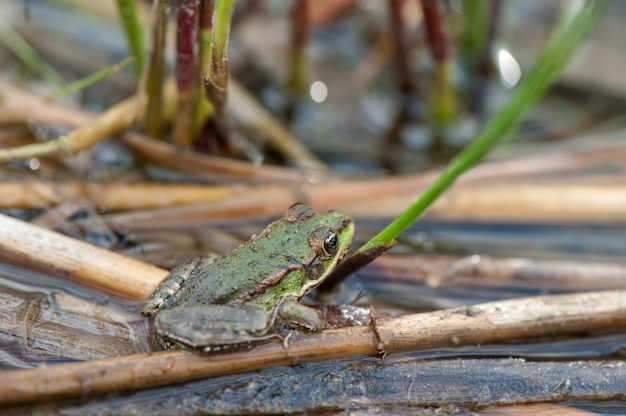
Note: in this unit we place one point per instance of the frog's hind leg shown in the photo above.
(213, 327)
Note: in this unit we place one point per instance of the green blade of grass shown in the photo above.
(567, 35)
(29, 56)
(83, 83)
(134, 32)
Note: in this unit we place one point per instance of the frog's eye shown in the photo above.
(324, 241)
(330, 243)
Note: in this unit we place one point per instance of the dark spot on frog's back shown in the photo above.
(298, 212)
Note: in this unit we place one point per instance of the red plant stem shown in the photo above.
(400, 47)
(435, 31)
(299, 19)
(484, 63)
(187, 16)
(187, 22)
(300, 24)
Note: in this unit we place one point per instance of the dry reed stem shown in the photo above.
(523, 203)
(542, 202)
(212, 167)
(545, 202)
(487, 323)
(509, 202)
(21, 107)
(35, 248)
(439, 270)
(115, 119)
(535, 409)
(110, 196)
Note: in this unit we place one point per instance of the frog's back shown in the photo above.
(283, 245)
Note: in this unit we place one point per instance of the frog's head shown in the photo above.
(328, 238)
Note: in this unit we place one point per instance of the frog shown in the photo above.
(240, 299)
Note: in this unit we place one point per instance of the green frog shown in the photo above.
(235, 301)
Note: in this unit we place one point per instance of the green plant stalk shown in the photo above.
(475, 33)
(202, 107)
(155, 70)
(29, 56)
(85, 82)
(219, 44)
(568, 34)
(443, 96)
(134, 33)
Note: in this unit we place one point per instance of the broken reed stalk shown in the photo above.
(481, 324)
(222, 15)
(216, 78)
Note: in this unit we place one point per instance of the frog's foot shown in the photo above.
(213, 327)
(300, 316)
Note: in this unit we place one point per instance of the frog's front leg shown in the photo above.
(213, 327)
(299, 315)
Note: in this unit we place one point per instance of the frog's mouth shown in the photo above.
(339, 270)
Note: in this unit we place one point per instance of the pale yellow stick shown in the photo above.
(29, 246)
